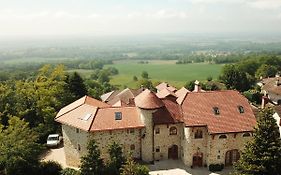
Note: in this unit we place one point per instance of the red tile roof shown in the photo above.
(148, 100)
(181, 93)
(105, 119)
(164, 93)
(165, 85)
(198, 111)
(125, 97)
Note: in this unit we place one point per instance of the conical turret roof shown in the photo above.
(148, 100)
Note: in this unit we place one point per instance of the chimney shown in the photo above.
(197, 87)
(277, 82)
(264, 101)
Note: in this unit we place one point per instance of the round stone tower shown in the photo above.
(147, 103)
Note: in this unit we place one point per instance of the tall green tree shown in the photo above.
(262, 156)
(266, 70)
(77, 86)
(117, 159)
(91, 163)
(234, 78)
(144, 75)
(132, 168)
(19, 152)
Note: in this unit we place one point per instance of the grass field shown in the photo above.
(158, 71)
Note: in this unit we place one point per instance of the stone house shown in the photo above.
(200, 128)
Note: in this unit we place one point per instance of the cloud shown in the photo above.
(265, 4)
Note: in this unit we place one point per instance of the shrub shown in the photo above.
(69, 171)
(142, 170)
(216, 167)
(50, 167)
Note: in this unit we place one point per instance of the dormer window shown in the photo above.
(241, 109)
(118, 116)
(216, 110)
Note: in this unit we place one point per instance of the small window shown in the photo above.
(241, 109)
(218, 157)
(222, 136)
(118, 116)
(198, 134)
(157, 149)
(246, 135)
(157, 131)
(173, 130)
(78, 147)
(132, 131)
(132, 147)
(77, 130)
(216, 110)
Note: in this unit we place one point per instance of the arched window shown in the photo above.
(246, 135)
(132, 147)
(173, 130)
(78, 147)
(222, 136)
(198, 134)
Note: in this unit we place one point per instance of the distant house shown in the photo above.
(200, 128)
(271, 87)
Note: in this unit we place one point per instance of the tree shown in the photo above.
(19, 152)
(234, 78)
(76, 85)
(190, 85)
(116, 159)
(145, 83)
(131, 168)
(144, 75)
(103, 77)
(262, 156)
(135, 78)
(266, 71)
(91, 163)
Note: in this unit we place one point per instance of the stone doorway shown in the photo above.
(197, 159)
(173, 152)
(231, 157)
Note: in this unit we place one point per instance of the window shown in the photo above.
(241, 109)
(216, 110)
(198, 134)
(173, 130)
(130, 131)
(132, 147)
(78, 147)
(157, 131)
(77, 130)
(118, 116)
(222, 136)
(157, 149)
(246, 135)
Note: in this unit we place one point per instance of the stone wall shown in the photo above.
(218, 147)
(125, 138)
(75, 143)
(164, 140)
(192, 145)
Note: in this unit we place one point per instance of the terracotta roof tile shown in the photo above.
(198, 111)
(165, 85)
(148, 100)
(105, 119)
(181, 93)
(164, 93)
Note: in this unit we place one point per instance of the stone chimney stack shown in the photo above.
(277, 82)
(264, 101)
(197, 87)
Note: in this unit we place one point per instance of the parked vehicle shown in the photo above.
(54, 140)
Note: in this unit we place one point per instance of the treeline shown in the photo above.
(214, 59)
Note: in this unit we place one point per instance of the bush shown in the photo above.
(142, 170)
(50, 167)
(69, 171)
(216, 167)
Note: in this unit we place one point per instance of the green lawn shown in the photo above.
(175, 74)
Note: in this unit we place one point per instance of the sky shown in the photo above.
(137, 17)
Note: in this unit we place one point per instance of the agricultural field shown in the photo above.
(159, 71)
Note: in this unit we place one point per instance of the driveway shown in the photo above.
(55, 154)
(176, 167)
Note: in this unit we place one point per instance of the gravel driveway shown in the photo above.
(55, 154)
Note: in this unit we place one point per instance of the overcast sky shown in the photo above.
(122, 17)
